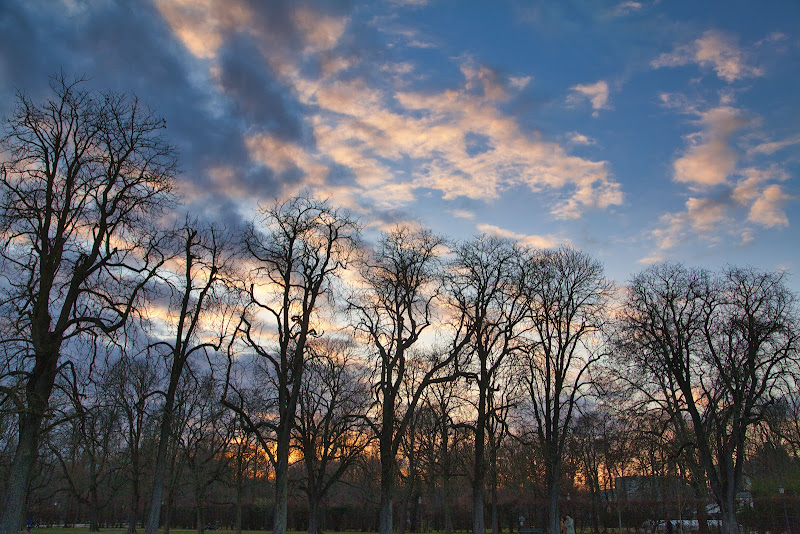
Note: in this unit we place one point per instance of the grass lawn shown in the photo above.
(85, 530)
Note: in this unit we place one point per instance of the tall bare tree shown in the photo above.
(568, 296)
(485, 290)
(402, 279)
(87, 175)
(296, 249)
(726, 341)
(198, 320)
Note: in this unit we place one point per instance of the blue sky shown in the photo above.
(638, 131)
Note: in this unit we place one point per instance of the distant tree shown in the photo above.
(297, 248)
(439, 441)
(84, 443)
(245, 456)
(87, 176)
(132, 384)
(726, 341)
(568, 297)
(330, 431)
(205, 441)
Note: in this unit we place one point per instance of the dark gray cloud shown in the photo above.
(126, 47)
(258, 97)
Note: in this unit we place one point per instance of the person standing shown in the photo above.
(569, 524)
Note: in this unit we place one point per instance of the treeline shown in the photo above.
(292, 374)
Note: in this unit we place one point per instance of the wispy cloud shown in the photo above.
(714, 50)
(770, 147)
(596, 93)
(462, 214)
(625, 8)
(536, 241)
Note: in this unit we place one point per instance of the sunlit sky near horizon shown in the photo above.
(634, 130)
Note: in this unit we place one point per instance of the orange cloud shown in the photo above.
(713, 50)
(710, 159)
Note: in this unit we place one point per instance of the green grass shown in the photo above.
(82, 530)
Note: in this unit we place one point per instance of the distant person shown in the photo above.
(563, 524)
(668, 526)
(569, 523)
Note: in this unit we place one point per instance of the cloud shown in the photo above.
(710, 159)
(362, 137)
(754, 199)
(320, 32)
(462, 214)
(519, 82)
(536, 241)
(701, 218)
(767, 210)
(714, 50)
(624, 8)
(596, 93)
(258, 97)
(769, 148)
(753, 181)
(579, 139)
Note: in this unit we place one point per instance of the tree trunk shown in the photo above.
(387, 490)
(552, 488)
(94, 505)
(282, 477)
(448, 506)
(493, 471)
(38, 390)
(478, 521)
(313, 513)
(238, 505)
(165, 433)
(728, 511)
(446, 483)
(405, 519)
(201, 525)
(479, 476)
(19, 477)
(167, 516)
(135, 496)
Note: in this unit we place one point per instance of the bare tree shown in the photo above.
(87, 175)
(485, 290)
(245, 450)
(331, 433)
(439, 441)
(132, 383)
(84, 443)
(568, 296)
(401, 281)
(297, 249)
(198, 315)
(205, 441)
(726, 342)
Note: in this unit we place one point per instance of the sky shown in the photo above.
(637, 131)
